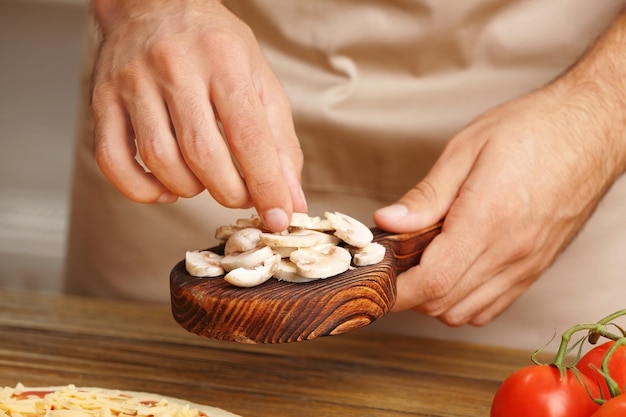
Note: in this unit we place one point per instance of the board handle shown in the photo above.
(406, 248)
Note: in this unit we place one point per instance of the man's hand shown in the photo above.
(515, 187)
(167, 75)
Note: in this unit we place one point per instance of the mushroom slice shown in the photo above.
(323, 237)
(251, 277)
(283, 251)
(243, 240)
(297, 239)
(350, 230)
(321, 261)
(369, 255)
(253, 221)
(287, 271)
(249, 259)
(222, 233)
(203, 264)
(304, 221)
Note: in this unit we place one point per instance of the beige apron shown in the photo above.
(377, 87)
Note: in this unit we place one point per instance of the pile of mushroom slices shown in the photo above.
(311, 248)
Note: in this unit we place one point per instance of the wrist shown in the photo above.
(595, 89)
(105, 12)
(108, 12)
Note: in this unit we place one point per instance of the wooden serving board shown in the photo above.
(280, 312)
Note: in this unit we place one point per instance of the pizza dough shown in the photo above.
(72, 401)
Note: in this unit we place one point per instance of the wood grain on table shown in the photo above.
(59, 340)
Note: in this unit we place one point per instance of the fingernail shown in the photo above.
(276, 219)
(167, 197)
(394, 211)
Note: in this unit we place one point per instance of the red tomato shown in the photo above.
(539, 391)
(615, 407)
(617, 366)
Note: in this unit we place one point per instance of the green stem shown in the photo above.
(599, 328)
(594, 337)
(614, 389)
(612, 317)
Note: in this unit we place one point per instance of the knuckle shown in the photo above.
(424, 190)
(138, 195)
(453, 319)
(528, 241)
(188, 190)
(294, 154)
(246, 126)
(104, 155)
(153, 156)
(101, 94)
(128, 77)
(196, 146)
(521, 247)
(265, 187)
(510, 238)
(431, 309)
(481, 320)
(229, 192)
(438, 286)
(298, 157)
(230, 198)
(169, 56)
(226, 42)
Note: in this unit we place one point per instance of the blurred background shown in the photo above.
(40, 53)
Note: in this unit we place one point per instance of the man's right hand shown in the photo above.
(167, 75)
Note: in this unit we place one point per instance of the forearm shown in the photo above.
(597, 86)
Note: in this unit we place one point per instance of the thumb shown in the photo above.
(428, 201)
(422, 206)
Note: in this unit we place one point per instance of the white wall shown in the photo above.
(40, 45)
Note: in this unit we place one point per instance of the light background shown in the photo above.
(40, 47)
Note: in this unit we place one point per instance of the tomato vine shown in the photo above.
(561, 388)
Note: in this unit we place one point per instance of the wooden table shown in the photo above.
(58, 340)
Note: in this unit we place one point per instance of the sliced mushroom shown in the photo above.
(287, 271)
(297, 239)
(304, 221)
(302, 253)
(283, 251)
(321, 261)
(323, 237)
(350, 230)
(222, 233)
(251, 277)
(371, 254)
(203, 263)
(243, 240)
(249, 259)
(253, 221)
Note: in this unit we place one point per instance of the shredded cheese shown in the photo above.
(71, 401)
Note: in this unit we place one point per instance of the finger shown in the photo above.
(443, 264)
(501, 303)
(429, 201)
(203, 146)
(467, 257)
(157, 145)
(493, 300)
(488, 299)
(253, 145)
(278, 110)
(114, 150)
(291, 162)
